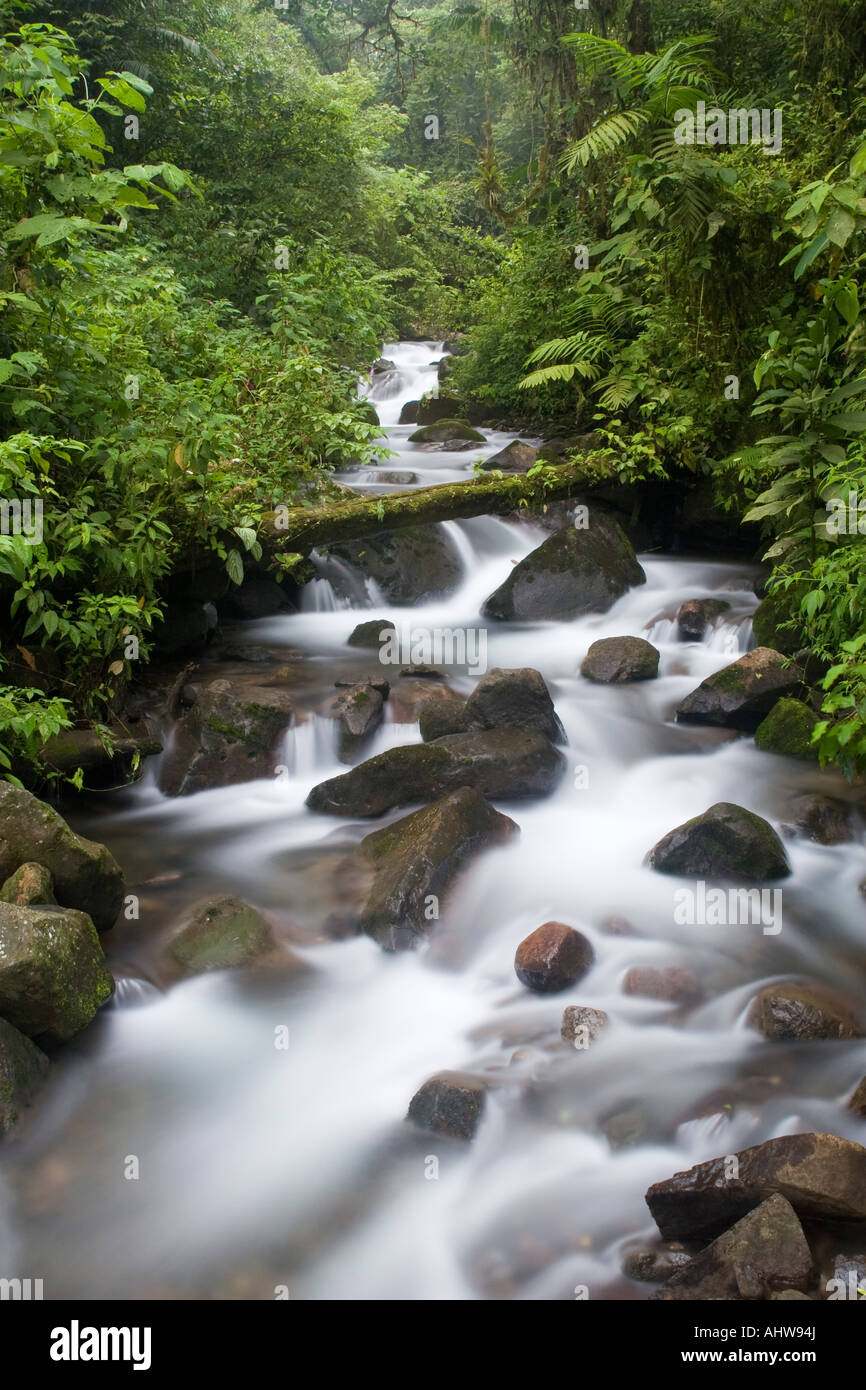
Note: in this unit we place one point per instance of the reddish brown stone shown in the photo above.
(553, 957)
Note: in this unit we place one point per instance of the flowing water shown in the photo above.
(262, 1166)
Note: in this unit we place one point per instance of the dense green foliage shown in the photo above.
(213, 216)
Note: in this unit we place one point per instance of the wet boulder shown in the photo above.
(445, 431)
(451, 1103)
(104, 761)
(788, 729)
(552, 958)
(857, 1102)
(822, 819)
(821, 1175)
(654, 1264)
(725, 842)
(696, 615)
(582, 1025)
(371, 633)
(516, 457)
(775, 622)
(798, 1010)
(615, 660)
(258, 597)
(29, 885)
(671, 984)
(358, 708)
(575, 571)
(515, 699)
(409, 413)
(500, 763)
(382, 366)
(741, 694)
(231, 735)
(407, 566)
(416, 860)
(184, 628)
(86, 875)
(762, 1253)
(53, 976)
(22, 1070)
(220, 934)
(444, 713)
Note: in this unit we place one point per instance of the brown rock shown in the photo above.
(29, 885)
(552, 958)
(766, 1251)
(582, 1026)
(823, 819)
(670, 983)
(794, 1010)
(450, 1103)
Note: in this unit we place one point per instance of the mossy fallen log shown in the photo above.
(302, 529)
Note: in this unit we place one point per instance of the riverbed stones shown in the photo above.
(30, 884)
(696, 615)
(654, 1264)
(86, 875)
(220, 934)
(724, 842)
(416, 860)
(794, 1010)
(53, 976)
(371, 633)
(516, 457)
(552, 958)
(451, 1103)
(409, 413)
(616, 660)
(514, 699)
(857, 1102)
(823, 819)
(582, 1026)
(23, 1067)
(408, 566)
(359, 711)
(575, 571)
(762, 1253)
(445, 431)
(787, 729)
(258, 596)
(821, 1175)
(444, 713)
(671, 984)
(500, 763)
(231, 735)
(741, 694)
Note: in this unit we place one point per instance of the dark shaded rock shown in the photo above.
(409, 413)
(230, 735)
(395, 477)
(571, 573)
(418, 671)
(788, 729)
(30, 884)
(375, 682)
(421, 855)
(764, 1252)
(382, 366)
(696, 615)
(725, 842)
(654, 1264)
(247, 652)
(444, 431)
(516, 457)
(516, 699)
(670, 983)
(614, 660)
(552, 958)
(857, 1103)
(184, 627)
(450, 1103)
(738, 696)
(221, 933)
(53, 975)
(258, 597)
(442, 715)
(22, 1070)
(822, 818)
(821, 1175)
(626, 1128)
(359, 711)
(775, 624)
(408, 565)
(792, 1010)
(113, 760)
(498, 762)
(86, 876)
(582, 1026)
(371, 633)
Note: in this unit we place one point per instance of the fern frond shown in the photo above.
(578, 345)
(560, 371)
(608, 135)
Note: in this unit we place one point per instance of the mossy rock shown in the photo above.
(574, 572)
(738, 696)
(771, 619)
(22, 1070)
(725, 842)
(445, 430)
(221, 934)
(788, 729)
(28, 886)
(53, 976)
